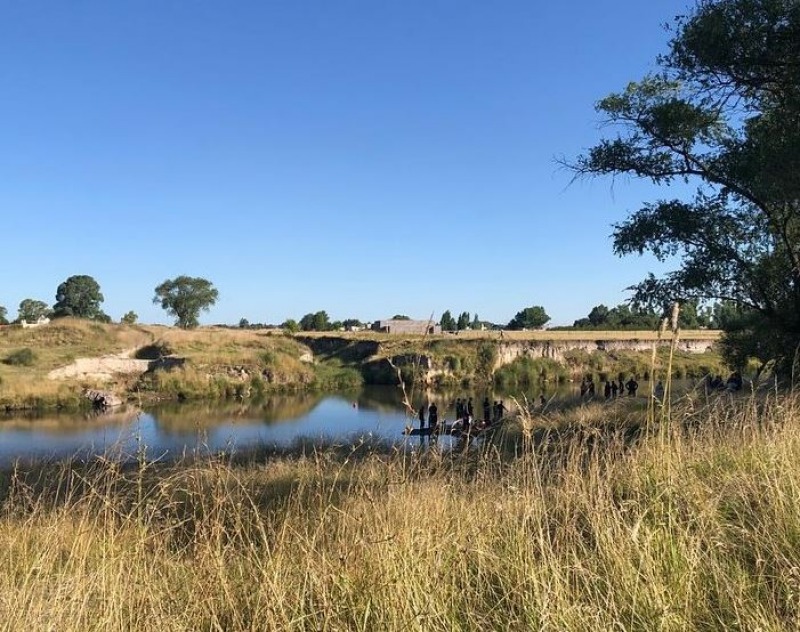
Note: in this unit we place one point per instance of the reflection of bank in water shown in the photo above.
(70, 423)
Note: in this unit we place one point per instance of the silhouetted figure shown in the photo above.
(421, 416)
(487, 410)
(584, 387)
(590, 388)
(459, 408)
(542, 400)
(470, 408)
(614, 389)
(607, 390)
(501, 410)
(633, 386)
(433, 417)
(621, 387)
(659, 390)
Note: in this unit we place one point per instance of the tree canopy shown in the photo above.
(447, 322)
(184, 297)
(629, 317)
(318, 321)
(291, 325)
(79, 296)
(723, 112)
(30, 310)
(3, 315)
(529, 318)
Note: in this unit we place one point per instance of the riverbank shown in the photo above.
(51, 366)
(691, 528)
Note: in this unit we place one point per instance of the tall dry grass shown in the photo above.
(580, 529)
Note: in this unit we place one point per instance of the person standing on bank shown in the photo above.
(422, 416)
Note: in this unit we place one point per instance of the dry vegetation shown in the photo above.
(696, 528)
(53, 346)
(537, 335)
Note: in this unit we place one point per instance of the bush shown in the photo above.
(23, 357)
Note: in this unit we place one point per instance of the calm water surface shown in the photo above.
(173, 430)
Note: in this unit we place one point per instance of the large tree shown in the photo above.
(3, 315)
(724, 112)
(447, 322)
(30, 310)
(79, 296)
(184, 297)
(529, 318)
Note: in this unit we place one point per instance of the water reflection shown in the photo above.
(277, 420)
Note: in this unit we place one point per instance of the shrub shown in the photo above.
(22, 357)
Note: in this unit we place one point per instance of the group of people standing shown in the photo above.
(612, 388)
(464, 413)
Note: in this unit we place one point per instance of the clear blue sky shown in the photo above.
(366, 158)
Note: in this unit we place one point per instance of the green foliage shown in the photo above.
(447, 322)
(22, 357)
(352, 323)
(79, 296)
(463, 321)
(31, 310)
(724, 111)
(525, 372)
(291, 325)
(486, 359)
(129, 318)
(529, 318)
(401, 317)
(184, 297)
(3, 315)
(318, 321)
(621, 317)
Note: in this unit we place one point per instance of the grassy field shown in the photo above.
(219, 363)
(54, 346)
(693, 526)
(216, 362)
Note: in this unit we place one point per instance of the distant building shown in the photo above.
(407, 327)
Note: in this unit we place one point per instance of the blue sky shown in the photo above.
(365, 158)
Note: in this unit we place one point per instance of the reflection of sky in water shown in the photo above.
(333, 418)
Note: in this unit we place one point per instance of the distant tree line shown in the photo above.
(185, 297)
(630, 317)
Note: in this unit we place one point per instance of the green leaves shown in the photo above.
(529, 318)
(79, 296)
(724, 111)
(184, 297)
